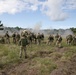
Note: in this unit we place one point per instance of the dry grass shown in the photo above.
(41, 58)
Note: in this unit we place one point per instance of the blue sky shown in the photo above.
(46, 14)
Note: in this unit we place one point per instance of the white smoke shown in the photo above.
(67, 32)
(37, 27)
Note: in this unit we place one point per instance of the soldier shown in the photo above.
(7, 37)
(30, 38)
(42, 36)
(17, 37)
(69, 39)
(74, 40)
(57, 36)
(39, 38)
(50, 39)
(14, 38)
(58, 42)
(23, 43)
(35, 38)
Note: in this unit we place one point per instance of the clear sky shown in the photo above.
(45, 14)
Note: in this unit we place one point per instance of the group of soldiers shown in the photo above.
(71, 40)
(57, 39)
(37, 38)
(28, 38)
(6, 38)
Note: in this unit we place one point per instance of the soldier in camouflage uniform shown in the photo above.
(69, 39)
(23, 43)
(57, 36)
(30, 38)
(74, 40)
(34, 38)
(50, 39)
(39, 39)
(17, 37)
(14, 38)
(7, 37)
(58, 42)
(42, 36)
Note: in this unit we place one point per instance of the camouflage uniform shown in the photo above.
(42, 36)
(17, 38)
(57, 36)
(69, 39)
(14, 38)
(74, 40)
(30, 38)
(23, 43)
(7, 37)
(59, 40)
(34, 37)
(39, 38)
(50, 39)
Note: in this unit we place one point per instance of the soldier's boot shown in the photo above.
(26, 57)
(25, 53)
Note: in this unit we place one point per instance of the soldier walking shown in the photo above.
(39, 39)
(56, 37)
(17, 38)
(7, 37)
(14, 38)
(58, 42)
(50, 39)
(23, 43)
(69, 39)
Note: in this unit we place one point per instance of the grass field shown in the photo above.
(42, 59)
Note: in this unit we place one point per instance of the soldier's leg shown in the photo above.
(59, 44)
(25, 52)
(35, 41)
(21, 49)
(48, 42)
(56, 43)
(15, 40)
(8, 40)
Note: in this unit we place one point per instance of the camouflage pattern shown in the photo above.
(14, 37)
(58, 42)
(30, 38)
(74, 40)
(42, 36)
(56, 36)
(7, 38)
(24, 32)
(38, 39)
(23, 43)
(69, 39)
(34, 38)
(17, 38)
(50, 39)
